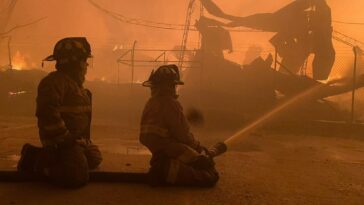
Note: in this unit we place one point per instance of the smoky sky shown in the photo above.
(79, 18)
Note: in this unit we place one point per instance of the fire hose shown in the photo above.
(105, 176)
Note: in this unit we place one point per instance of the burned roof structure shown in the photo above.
(303, 27)
(247, 91)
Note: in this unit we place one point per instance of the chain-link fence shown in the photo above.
(347, 72)
(346, 101)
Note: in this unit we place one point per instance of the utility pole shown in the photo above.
(9, 53)
(6, 12)
(9, 50)
(352, 119)
(186, 32)
(133, 63)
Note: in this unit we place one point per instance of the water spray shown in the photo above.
(221, 147)
(262, 120)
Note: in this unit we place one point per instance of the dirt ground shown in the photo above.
(264, 168)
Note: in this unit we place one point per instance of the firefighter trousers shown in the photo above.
(73, 163)
(65, 165)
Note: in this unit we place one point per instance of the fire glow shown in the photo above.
(13, 94)
(19, 61)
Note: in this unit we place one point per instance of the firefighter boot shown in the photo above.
(158, 172)
(29, 157)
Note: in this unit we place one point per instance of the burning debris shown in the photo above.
(253, 93)
(14, 94)
(20, 61)
(258, 87)
(302, 28)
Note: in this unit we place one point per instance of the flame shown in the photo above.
(118, 47)
(16, 93)
(19, 61)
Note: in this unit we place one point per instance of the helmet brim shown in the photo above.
(49, 58)
(149, 83)
(52, 58)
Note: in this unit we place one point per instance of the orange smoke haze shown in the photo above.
(80, 18)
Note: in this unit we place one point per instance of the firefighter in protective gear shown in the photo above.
(64, 118)
(176, 154)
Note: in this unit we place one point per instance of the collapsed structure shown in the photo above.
(224, 88)
(246, 91)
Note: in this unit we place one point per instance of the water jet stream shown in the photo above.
(254, 125)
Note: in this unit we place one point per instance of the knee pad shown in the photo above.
(93, 155)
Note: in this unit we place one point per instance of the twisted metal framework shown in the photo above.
(154, 24)
(347, 40)
(168, 26)
(7, 8)
(186, 32)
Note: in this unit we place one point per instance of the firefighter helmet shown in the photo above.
(70, 49)
(164, 75)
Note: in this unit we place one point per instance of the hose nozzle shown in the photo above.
(218, 149)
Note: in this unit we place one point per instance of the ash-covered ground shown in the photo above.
(264, 168)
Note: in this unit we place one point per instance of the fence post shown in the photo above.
(133, 63)
(275, 58)
(352, 119)
(9, 53)
(131, 102)
(118, 74)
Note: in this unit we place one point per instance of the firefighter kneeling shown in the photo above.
(64, 119)
(177, 157)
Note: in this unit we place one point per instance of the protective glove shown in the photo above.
(199, 148)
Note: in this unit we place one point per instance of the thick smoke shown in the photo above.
(80, 18)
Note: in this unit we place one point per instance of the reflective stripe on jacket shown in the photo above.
(164, 124)
(63, 109)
